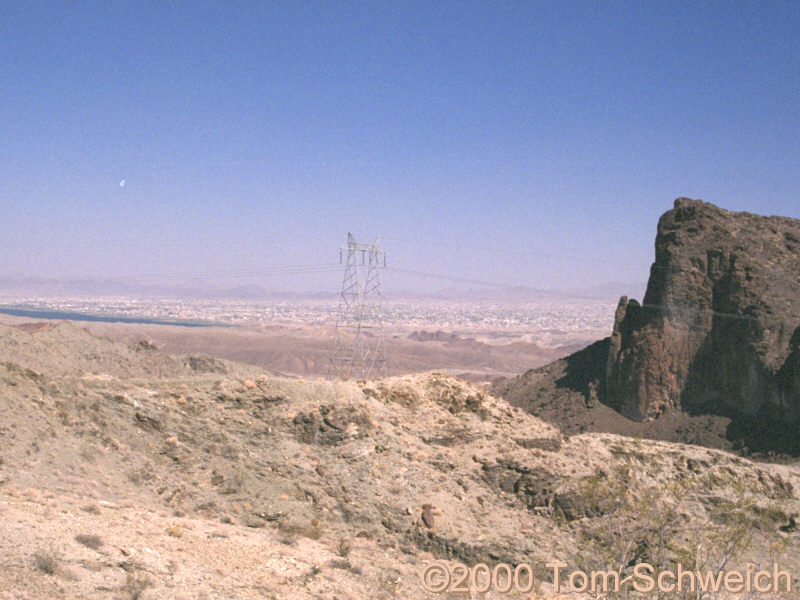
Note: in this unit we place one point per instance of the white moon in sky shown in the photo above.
(122, 183)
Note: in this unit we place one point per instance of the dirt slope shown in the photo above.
(174, 483)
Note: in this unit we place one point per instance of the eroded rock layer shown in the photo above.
(719, 327)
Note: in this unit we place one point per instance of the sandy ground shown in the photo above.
(298, 349)
(129, 474)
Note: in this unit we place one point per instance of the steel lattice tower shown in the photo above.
(358, 348)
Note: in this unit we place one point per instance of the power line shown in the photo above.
(550, 255)
(320, 268)
(470, 281)
(525, 254)
(352, 352)
(226, 273)
(671, 307)
(233, 273)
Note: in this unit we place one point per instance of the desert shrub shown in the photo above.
(46, 561)
(89, 540)
(596, 495)
(343, 547)
(678, 523)
(136, 583)
(140, 475)
(312, 530)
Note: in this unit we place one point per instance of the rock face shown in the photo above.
(719, 327)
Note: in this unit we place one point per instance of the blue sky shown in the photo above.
(530, 143)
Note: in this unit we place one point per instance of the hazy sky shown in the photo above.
(531, 143)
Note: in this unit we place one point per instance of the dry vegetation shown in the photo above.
(125, 473)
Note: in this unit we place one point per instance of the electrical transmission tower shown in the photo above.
(358, 349)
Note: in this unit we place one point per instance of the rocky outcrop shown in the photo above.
(710, 357)
(719, 327)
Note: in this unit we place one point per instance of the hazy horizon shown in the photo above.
(26, 288)
(503, 145)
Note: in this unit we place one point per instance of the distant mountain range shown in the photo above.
(25, 286)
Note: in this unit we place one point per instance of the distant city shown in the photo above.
(570, 315)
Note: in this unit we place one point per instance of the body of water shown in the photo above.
(33, 313)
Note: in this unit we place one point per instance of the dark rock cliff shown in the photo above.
(718, 327)
(713, 349)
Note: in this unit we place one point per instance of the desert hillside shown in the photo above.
(126, 473)
(711, 355)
